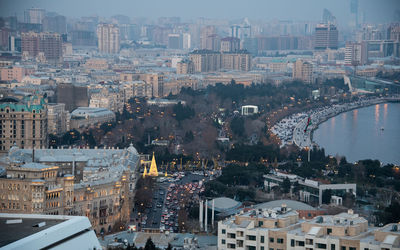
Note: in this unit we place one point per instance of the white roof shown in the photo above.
(56, 231)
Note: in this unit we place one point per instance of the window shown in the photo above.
(309, 242)
(329, 231)
(233, 246)
(260, 223)
(262, 240)
(343, 248)
(223, 241)
(352, 248)
(321, 246)
(271, 240)
(223, 231)
(262, 248)
(251, 237)
(292, 244)
(279, 241)
(231, 236)
(251, 248)
(332, 246)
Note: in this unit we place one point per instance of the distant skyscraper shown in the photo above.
(34, 15)
(186, 41)
(354, 12)
(204, 36)
(56, 24)
(108, 38)
(326, 37)
(328, 18)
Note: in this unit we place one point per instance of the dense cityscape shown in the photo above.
(199, 130)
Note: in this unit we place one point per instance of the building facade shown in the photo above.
(45, 46)
(23, 122)
(326, 37)
(303, 71)
(280, 228)
(108, 38)
(96, 183)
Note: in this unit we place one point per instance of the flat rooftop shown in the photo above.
(13, 232)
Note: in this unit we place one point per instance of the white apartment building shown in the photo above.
(281, 229)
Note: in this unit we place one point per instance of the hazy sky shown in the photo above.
(310, 10)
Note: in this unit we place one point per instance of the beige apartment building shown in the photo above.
(280, 228)
(23, 122)
(15, 73)
(108, 38)
(303, 71)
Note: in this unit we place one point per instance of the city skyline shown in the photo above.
(309, 10)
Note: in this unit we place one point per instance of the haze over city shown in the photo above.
(307, 10)
(224, 124)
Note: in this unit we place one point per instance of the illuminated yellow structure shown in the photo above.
(144, 172)
(153, 167)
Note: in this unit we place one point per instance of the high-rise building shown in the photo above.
(108, 38)
(23, 122)
(56, 24)
(356, 53)
(185, 67)
(49, 44)
(186, 41)
(328, 18)
(174, 41)
(34, 15)
(239, 60)
(205, 33)
(230, 44)
(326, 37)
(205, 60)
(394, 32)
(303, 71)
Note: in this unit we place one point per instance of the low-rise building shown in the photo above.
(280, 228)
(84, 117)
(310, 190)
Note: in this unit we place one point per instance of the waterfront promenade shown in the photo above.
(292, 129)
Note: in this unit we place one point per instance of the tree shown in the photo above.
(326, 196)
(149, 245)
(237, 126)
(169, 247)
(285, 185)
